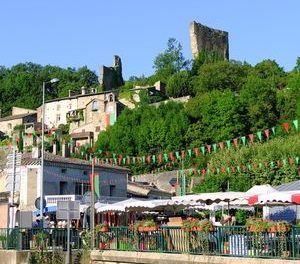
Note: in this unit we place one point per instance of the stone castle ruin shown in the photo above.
(209, 39)
(111, 77)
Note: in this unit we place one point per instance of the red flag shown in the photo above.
(208, 148)
(171, 156)
(223, 170)
(93, 150)
(267, 133)
(39, 130)
(106, 153)
(86, 156)
(110, 161)
(251, 136)
(286, 127)
(243, 168)
(235, 142)
(202, 172)
(266, 164)
(221, 145)
(196, 152)
(182, 154)
(128, 160)
(119, 160)
(254, 166)
(213, 170)
(233, 169)
(138, 159)
(148, 159)
(278, 163)
(291, 161)
(159, 158)
(102, 161)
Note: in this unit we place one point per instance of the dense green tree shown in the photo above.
(170, 61)
(218, 113)
(258, 100)
(21, 85)
(220, 76)
(179, 85)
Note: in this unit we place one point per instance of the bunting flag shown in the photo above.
(295, 123)
(208, 148)
(259, 135)
(221, 145)
(243, 140)
(274, 130)
(97, 184)
(196, 152)
(235, 142)
(286, 127)
(251, 137)
(228, 142)
(267, 133)
(202, 150)
(214, 147)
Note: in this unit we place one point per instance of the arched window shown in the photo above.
(111, 98)
(95, 105)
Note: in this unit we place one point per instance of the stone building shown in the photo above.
(87, 114)
(67, 176)
(209, 39)
(20, 116)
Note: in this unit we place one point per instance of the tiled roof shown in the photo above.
(291, 186)
(49, 157)
(16, 116)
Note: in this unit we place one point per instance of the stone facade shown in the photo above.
(88, 113)
(209, 39)
(111, 77)
(20, 116)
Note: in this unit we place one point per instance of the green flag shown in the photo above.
(153, 158)
(218, 170)
(166, 157)
(228, 142)
(190, 152)
(297, 160)
(243, 140)
(214, 146)
(260, 165)
(272, 164)
(259, 135)
(295, 122)
(238, 168)
(133, 160)
(228, 170)
(202, 150)
(273, 130)
(284, 162)
(97, 184)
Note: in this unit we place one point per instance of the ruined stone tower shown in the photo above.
(206, 38)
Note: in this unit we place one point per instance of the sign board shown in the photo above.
(68, 210)
(25, 220)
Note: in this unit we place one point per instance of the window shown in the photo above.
(63, 188)
(111, 98)
(95, 105)
(81, 188)
(9, 126)
(58, 107)
(63, 170)
(57, 117)
(112, 190)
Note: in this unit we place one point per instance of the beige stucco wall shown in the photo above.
(7, 127)
(126, 257)
(19, 110)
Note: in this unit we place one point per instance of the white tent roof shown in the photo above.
(210, 198)
(288, 197)
(165, 204)
(261, 189)
(116, 207)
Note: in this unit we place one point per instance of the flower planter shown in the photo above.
(272, 229)
(141, 229)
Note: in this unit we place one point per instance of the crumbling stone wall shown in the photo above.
(111, 77)
(209, 39)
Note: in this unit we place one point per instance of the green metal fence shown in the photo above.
(47, 238)
(224, 241)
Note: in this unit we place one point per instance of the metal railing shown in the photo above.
(33, 238)
(222, 241)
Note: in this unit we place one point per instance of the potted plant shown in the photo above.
(283, 227)
(206, 225)
(187, 225)
(150, 226)
(272, 227)
(103, 227)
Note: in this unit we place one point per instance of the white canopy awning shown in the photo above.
(209, 198)
(116, 207)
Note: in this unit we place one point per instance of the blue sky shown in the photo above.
(77, 33)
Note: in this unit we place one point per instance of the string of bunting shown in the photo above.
(235, 169)
(175, 156)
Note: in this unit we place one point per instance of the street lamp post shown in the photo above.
(54, 80)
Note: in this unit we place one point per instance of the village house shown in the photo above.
(19, 116)
(87, 114)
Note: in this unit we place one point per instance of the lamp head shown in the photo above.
(54, 80)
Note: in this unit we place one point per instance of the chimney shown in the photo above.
(65, 152)
(54, 150)
(35, 153)
(71, 93)
(83, 90)
(94, 90)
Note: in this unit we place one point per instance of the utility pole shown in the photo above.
(92, 220)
